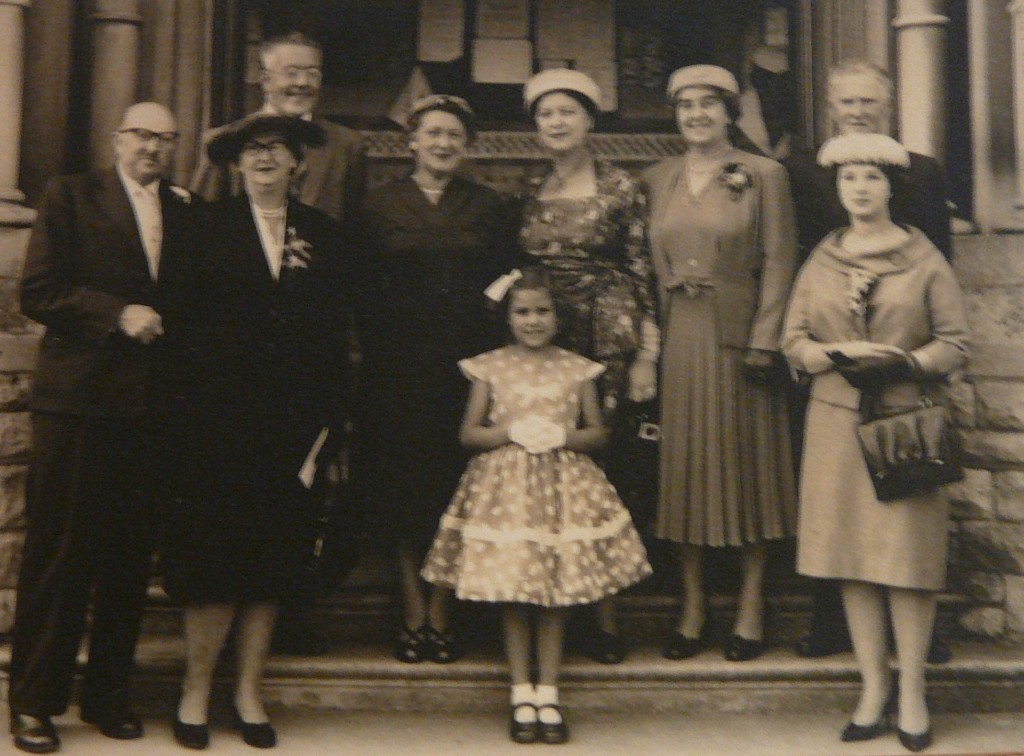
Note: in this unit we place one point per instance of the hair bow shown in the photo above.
(498, 289)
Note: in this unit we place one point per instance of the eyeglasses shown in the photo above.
(256, 149)
(294, 73)
(165, 138)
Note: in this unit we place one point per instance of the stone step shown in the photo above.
(983, 677)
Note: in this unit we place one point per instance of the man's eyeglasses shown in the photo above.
(165, 138)
(256, 149)
(294, 73)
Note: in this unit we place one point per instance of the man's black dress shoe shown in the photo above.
(917, 742)
(120, 724)
(258, 735)
(34, 734)
(194, 736)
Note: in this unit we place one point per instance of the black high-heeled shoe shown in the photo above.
(854, 732)
(193, 736)
(255, 734)
(915, 742)
(412, 645)
(738, 648)
(681, 646)
(442, 647)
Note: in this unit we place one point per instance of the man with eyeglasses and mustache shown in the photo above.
(106, 272)
(331, 178)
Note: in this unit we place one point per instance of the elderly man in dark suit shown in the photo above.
(106, 261)
(331, 178)
(860, 101)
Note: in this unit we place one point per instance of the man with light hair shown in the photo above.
(332, 177)
(859, 101)
(107, 271)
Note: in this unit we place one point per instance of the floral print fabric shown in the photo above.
(545, 529)
(596, 249)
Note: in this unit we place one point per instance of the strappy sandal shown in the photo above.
(442, 647)
(412, 646)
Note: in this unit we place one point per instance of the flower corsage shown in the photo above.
(297, 252)
(736, 178)
(858, 291)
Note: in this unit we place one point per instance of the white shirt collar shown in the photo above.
(131, 185)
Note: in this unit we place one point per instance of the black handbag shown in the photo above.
(632, 460)
(909, 452)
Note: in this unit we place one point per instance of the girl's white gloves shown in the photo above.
(536, 434)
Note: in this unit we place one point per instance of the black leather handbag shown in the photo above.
(632, 460)
(909, 452)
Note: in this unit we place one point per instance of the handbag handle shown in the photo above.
(870, 401)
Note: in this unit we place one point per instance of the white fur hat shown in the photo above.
(877, 149)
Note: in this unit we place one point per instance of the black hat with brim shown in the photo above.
(297, 133)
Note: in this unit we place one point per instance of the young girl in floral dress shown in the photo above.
(534, 524)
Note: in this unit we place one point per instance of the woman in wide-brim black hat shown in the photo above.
(268, 342)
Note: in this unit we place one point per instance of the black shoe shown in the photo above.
(194, 736)
(916, 742)
(552, 734)
(118, 723)
(34, 734)
(738, 648)
(854, 732)
(939, 651)
(522, 732)
(680, 646)
(816, 644)
(442, 647)
(259, 735)
(601, 646)
(412, 646)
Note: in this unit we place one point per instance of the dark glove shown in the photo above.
(760, 365)
(870, 373)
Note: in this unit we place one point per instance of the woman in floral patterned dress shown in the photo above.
(585, 222)
(724, 245)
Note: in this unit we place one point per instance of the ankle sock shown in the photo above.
(523, 693)
(547, 697)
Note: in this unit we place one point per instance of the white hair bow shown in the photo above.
(498, 288)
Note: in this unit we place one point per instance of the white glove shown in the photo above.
(537, 434)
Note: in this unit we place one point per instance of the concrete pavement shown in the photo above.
(309, 732)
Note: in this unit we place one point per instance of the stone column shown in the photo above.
(1016, 10)
(921, 53)
(115, 71)
(12, 68)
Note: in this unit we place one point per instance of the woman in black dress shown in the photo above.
(268, 341)
(433, 241)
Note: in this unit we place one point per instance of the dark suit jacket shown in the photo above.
(85, 264)
(269, 356)
(331, 179)
(922, 203)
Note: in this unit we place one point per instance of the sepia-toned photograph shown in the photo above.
(429, 377)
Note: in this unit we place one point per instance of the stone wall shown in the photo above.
(987, 559)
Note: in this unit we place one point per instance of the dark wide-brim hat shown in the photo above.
(297, 133)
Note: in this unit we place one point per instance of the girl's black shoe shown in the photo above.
(738, 648)
(193, 736)
(917, 742)
(259, 735)
(522, 732)
(552, 734)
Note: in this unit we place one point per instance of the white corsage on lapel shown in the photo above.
(182, 194)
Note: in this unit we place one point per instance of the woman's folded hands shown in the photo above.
(537, 434)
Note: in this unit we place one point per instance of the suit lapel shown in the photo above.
(316, 165)
(113, 201)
